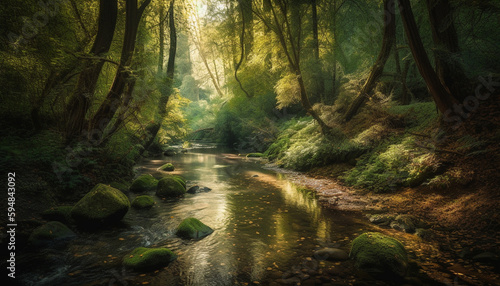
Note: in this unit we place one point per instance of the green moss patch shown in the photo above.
(144, 183)
(102, 205)
(193, 228)
(148, 259)
(255, 155)
(143, 202)
(169, 167)
(380, 255)
(170, 187)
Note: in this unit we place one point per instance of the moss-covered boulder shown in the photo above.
(102, 205)
(148, 259)
(51, 232)
(144, 183)
(143, 202)
(255, 155)
(61, 214)
(169, 167)
(379, 255)
(170, 187)
(193, 228)
(180, 179)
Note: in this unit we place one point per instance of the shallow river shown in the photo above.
(264, 227)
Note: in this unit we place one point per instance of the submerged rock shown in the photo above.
(170, 187)
(102, 205)
(198, 189)
(144, 183)
(193, 228)
(148, 259)
(51, 232)
(332, 254)
(169, 167)
(143, 202)
(379, 255)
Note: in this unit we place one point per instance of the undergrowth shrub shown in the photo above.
(393, 164)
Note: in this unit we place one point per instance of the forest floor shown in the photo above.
(464, 221)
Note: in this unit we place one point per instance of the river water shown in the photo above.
(264, 228)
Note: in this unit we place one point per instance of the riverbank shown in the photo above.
(462, 247)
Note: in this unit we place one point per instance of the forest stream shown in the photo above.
(265, 227)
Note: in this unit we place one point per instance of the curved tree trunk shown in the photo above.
(442, 97)
(79, 102)
(378, 67)
(108, 108)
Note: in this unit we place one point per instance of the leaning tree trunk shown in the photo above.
(442, 97)
(450, 72)
(80, 101)
(378, 67)
(108, 108)
(166, 91)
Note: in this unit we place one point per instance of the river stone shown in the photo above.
(102, 205)
(51, 232)
(404, 223)
(143, 183)
(193, 190)
(169, 167)
(193, 228)
(379, 255)
(381, 219)
(148, 259)
(61, 214)
(170, 187)
(332, 254)
(143, 202)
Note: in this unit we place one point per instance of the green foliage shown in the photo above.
(395, 163)
(418, 116)
(301, 146)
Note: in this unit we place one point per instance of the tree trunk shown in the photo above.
(108, 108)
(442, 97)
(79, 102)
(247, 17)
(162, 41)
(319, 88)
(169, 81)
(446, 50)
(378, 67)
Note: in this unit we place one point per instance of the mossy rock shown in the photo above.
(143, 202)
(255, 155)
(148, 259)
(102, 205)
(379, 255)
(193, 228)
(51, 232)
(144, 183)
(170, 187)
(406, 223)
(179, 179)
(169, 167)
(61, 214)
